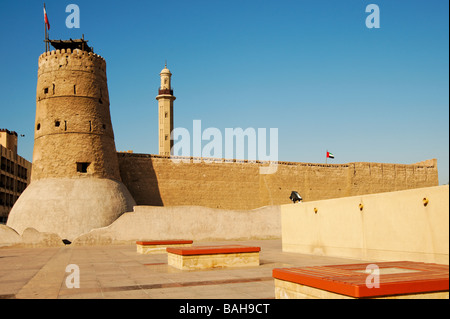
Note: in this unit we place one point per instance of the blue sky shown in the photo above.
(310, 68)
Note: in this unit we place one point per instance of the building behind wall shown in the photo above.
(14, 173)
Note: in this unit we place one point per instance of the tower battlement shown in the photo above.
(72, 72)
(76, 59)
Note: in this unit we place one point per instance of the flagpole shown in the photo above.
(46, 37)
(47, 43)
(326, 158)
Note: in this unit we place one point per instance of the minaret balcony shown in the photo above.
(165, 91)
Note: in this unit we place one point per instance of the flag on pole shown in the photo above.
(46, 19)
(330, 155)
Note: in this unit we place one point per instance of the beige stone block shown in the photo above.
(197, 262)
(156, 249)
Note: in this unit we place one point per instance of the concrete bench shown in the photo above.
(160, 246)
(204, 257)
(391, 280)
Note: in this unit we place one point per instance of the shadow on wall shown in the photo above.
(140, 178)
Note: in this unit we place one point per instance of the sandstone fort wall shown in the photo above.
(159, 181)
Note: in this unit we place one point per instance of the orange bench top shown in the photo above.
(165, 242)
(211, 250)
(404, 277)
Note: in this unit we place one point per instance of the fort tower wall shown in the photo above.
(75, 180)
(73, 122)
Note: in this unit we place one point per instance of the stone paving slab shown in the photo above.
(110, 272)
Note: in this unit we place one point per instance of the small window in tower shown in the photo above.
(166, 137)
(166, 115)
(45, 90)
(104, 126)
(74, 90)
(82, 167)
(57, 123)
(53, 89)
(38, 127)
(100, 101)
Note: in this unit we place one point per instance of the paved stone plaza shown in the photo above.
(108, 272)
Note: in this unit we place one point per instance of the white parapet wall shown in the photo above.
(403, 225)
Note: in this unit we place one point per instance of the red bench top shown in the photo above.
(210, 250)
(407, 277)
(165, 242)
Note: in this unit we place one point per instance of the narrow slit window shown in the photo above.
(74, 89)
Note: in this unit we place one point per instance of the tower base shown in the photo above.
(70, 207)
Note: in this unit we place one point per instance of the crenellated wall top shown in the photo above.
(76, 59)
(69, 51)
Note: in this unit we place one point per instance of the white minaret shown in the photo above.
(165, 109)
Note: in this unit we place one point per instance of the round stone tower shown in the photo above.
(75, 179)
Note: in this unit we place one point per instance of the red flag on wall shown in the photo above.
(46, 19)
